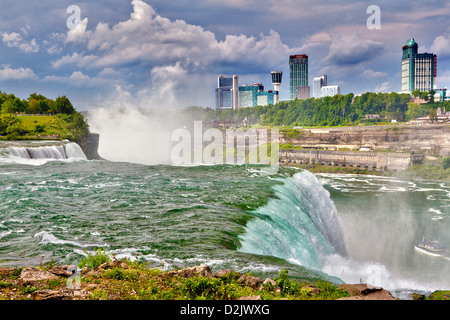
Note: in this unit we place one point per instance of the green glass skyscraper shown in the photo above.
(298, 81)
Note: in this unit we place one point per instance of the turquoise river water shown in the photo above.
(55, 204)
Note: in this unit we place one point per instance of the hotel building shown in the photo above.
(298, 77)
(419, 70)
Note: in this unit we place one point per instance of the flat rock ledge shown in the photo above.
(364, 291)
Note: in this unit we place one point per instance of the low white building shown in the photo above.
(329, 91)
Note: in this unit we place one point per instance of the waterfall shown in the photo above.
(74, 151)
(300, 225)
(52, 152)
(69, 150)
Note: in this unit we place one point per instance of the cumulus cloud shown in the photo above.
(351, 49)
(76, 58)
(8, 73)
(16, 40)
(441, 47)
(150, 39)
(384, 87)
(79, 33)
(79, 79)
(370, 74)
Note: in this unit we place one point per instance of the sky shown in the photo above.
(169, 54)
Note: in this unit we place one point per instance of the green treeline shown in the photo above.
(339, 110)
(40, 116)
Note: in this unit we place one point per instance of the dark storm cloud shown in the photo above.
(352, 49)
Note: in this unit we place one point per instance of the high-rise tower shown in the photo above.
(298, 73)
(227, 92)
(277, 77)
(318, 83)
(419, 70)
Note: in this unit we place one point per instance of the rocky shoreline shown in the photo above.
(126, 280)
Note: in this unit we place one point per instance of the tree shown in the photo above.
(63, 105)
(13, 105)
(34, 106)
(6, 121)
(432, 115)
(431, 94)
(44, 105)
(415, 93)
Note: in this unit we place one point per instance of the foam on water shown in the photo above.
(47, 237)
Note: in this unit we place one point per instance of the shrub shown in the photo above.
(93, 260)
(330, 291)
(283, 280)
(200, 287)
(5, 284)
(120, 274)
(446, 163)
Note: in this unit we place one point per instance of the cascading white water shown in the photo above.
(51, 152)
(73, 151)
(18, 152)
(69, 150)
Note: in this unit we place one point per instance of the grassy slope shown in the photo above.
(49, 123)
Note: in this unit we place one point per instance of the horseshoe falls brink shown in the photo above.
(250, 218)
(301, 225)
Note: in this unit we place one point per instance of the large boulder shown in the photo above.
(63, 270)
(366, 292)
(250, 281)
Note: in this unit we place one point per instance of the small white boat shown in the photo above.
(433, 248)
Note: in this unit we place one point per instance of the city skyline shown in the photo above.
(169, 54)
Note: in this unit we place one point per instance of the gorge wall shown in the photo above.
(89, 145)
(426, 139)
